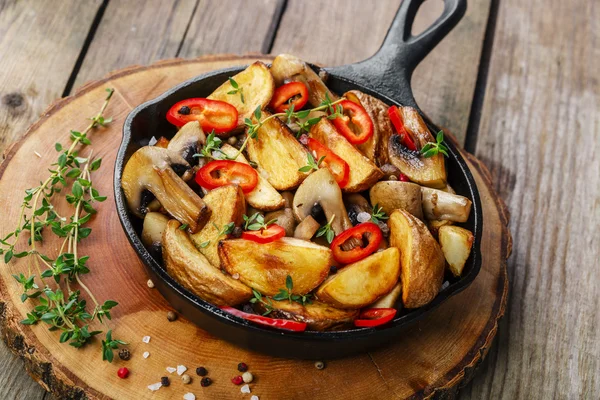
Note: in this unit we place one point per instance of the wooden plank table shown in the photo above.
(516, 81)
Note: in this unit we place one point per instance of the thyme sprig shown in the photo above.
(327, 231)
(236, 89)
(212, 148)
(265, 301)
(311, 163)
(286, 294)
(256, 222)
(63, 309)
(378, 214)
(433, 149)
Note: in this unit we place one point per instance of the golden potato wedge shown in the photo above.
(421, 259)
(392, 195)
(363, 172)
(424, 171)
(257, 86)
(278, 154)
(227, 204)
(438, 204)
(375, 149)
(318, 316)
(456, 244)
(390, 300)
(192, 270)
(152, 230)
(434, 225)
(359, 284)
(265, 267)
(264, 197)
(288, 68)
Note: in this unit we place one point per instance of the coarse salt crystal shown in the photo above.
(171, 369)
(445, 285)
(146, 339)
(189, 396)
(235, 276)
(181, 369)
(152, 141)
(155, 386)
(245, 389)
(146, 354)
(363, 217)
(254, 397)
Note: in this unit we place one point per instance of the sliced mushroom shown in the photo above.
(188, 141)
(356, 204)
(320, 189)
(288, 68)
(307, 228)
(440, 205)
(424, 171)
(285, 218)
(151, 169)
(152, 231)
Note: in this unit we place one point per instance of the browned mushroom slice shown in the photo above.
(440, 205)
(393, 195)
(424, 171)
(187, 142)
(151, 169)
(320, 189)
(152, 230)
(307, 228)
(285, 219)
(287, 68)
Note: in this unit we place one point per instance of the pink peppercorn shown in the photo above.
(123, 373)
(237, 380)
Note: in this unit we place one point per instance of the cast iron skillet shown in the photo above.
(385, 75)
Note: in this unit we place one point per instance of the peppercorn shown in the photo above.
(205, 382)
(185, 378)
(123, 373)
(165, 381)
(232, 140)
(150, 284)
(237, 380)
(185, 110)
(319, 365)
(247, 377)
(124, 354)
(171, 316)
(333, 269)
(242, 367)
(392, 178)
(237, 232)
(201, 371)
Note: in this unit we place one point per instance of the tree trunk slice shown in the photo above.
(434, 358)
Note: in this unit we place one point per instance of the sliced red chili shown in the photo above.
(267, 235)
(226, 172)
(272, 322)
(338, 167)
(355, 124)
(403, 178)
(396, 119)
(293, 93)
(211, 114)
(368, 232)
(375, 317)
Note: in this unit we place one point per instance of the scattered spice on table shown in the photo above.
(124, 354)
(206, 381)
(245, 389)
(189, 396)
(165, 381)
(146, 354)
(319, 365)
(171, 316)
(242, 367)
(150, 284)
(146, 339)
(237, 380)
(123, 373)
(171, 369)
(181, 369)
(185, 378)
(155, 386)
(254, 397)
(201, 371)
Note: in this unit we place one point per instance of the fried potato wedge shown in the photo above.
(227, 204)
(363, 172)
(422, 260)
(192, 270)
(438, 204)
(391, 195)
(375, 149)
(424, 171)
(265, 267)
(278, 154)
(359, 284)
(288, 68)
(434, 226)
(264, 197)
(257, 85)
(456, 244)
(390, 300)
(318, 316)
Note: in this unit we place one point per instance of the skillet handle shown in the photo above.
(390, 69)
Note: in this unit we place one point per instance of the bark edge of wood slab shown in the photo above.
(404, 369)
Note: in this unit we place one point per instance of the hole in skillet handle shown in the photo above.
(148, 120)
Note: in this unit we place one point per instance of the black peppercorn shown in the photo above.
(165, 381)
(205, 382)
(171, 316)
(124, 354)
(237, 232)
(333, 269)
(201, 371)
(185, 110)
(242, 367)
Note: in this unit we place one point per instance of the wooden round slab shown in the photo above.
(435, 357)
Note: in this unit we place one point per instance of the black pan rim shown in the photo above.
(317, 336)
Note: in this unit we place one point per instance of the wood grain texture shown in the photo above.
(229, 26)
(432, 359)
(345, 31)
(16, 384)
(540, 136)
(39, 44)
(135, 32)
